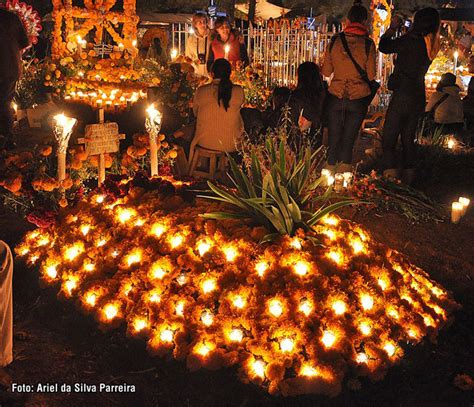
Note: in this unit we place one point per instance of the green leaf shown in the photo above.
(327, 210)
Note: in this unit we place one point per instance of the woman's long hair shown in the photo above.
(221, 69)
(310, 82)
(426, 21)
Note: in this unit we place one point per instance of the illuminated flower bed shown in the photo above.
(294, 316)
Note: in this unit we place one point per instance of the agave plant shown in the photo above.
(276, 191)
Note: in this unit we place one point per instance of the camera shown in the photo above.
(202, 58)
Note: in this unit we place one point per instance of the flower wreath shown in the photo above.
(29, 17)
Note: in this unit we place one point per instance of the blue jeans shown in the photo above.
(344, 120)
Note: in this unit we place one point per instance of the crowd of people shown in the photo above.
(336, 96)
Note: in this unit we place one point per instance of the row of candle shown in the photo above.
(105, 100)
(340, 180)
(459, 209)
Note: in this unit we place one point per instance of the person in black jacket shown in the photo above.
(415, 51)
(13, 40)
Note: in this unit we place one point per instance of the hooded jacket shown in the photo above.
(450, 111)
(347, 82)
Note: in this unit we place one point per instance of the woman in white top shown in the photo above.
(217, 106)
(198, 43)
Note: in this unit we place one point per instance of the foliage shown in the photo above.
(29, 89)
(387, 194)
(251, 78)
(275, 190)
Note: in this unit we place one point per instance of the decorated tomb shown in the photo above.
(293, 316)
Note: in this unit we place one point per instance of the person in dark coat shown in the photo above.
(13, 40)
(415, 51)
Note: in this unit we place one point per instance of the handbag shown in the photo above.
(373, 85)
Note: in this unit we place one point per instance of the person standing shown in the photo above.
(415, 51)
(228, 44)
(347, 102)
(6, 305)
(13, 40)
(199, 42)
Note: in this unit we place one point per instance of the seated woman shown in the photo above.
(217, 106)
(228, 43)
(446, 105)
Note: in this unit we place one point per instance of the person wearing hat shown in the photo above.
(447, 105)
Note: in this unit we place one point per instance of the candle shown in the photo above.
(338, 182)
(456, 211)
(347, 178)
(456, 55)
(174, 54)
(226, 50)
(62, 132)
(465, 204)
(153, 126)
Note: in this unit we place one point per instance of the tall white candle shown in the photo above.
(456, 211)
(456, 56)
(226, 50)
(465, 204)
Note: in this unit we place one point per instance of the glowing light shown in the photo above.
(389, 347)
(73, 251)
(275, 308)
(52, 272)
(412, 334)
(134, 257)
(203, 349)
(166, 335)
(139, 222)
(85, 229)
(110, 311)
(258, 368)
(182, 278)
(339, 307)
(70, 285)
(154, 297)
(301, 268)
(305, 306)
(366, 301)
(207, 318)
(287, 345)
(157, 271)
(91, 298)
(174, 53)
(139, 324)
(89, 267)
(43, 241)
(203, 248)
(100, 199)
(125, 214)
(428, 321)
(115, 253)
(382, 283)
(335, 256)
(328, 339)
(236, 335)
(260, 268)
(330, 220)
(179, 308)
(158, 229)
(365, 328)
(101, 242)
(230, 253)
(176, 241)
(357, 246)
(24, 251)
(393, 313)
(330, 234)
(239, 301)
(295, 243)
(208, 286)
(362, 358)
(308, 371)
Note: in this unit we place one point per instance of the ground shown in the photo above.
(55, 343)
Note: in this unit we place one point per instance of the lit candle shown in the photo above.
(456, 55)
(174, 54)
(153, 126)
(465, 204)
(456, 211)
(62, 133)
(347, 179)
(226, 50)
(338, 182)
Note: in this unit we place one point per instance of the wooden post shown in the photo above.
(101, 168)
